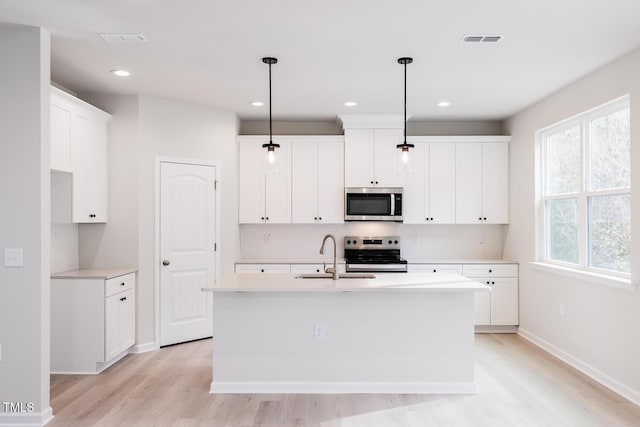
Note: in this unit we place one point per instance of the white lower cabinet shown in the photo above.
(263, 268)
(500, 306)
(286, 268)
(435, 268)
(92, 322)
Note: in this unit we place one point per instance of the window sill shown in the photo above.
(601, 279)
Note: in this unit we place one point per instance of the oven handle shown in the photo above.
(393, 205)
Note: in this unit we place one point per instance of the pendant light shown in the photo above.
(271, 147)
(404, 163)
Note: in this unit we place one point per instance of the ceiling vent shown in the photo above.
(123, 38)
(481, 39)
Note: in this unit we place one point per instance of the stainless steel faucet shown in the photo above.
(333, 270)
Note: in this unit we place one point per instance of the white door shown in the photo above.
(304, 184)
(330, 182)
(187, 246)
(358, 158)
(468, 183)
(442, 183)
(414, 202)
(251, 182)
(495, 182)
(386, 156)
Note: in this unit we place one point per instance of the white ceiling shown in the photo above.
(331, 51)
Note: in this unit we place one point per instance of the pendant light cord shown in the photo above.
(270, 120)
(405, 102)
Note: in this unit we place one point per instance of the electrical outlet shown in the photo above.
(318, 332)
(267, 238)
(483, 238)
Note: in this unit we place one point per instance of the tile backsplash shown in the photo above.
(299, 241)
(64, 247)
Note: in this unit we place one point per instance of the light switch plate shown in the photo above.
(13, 257)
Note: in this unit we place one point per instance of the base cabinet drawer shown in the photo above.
(435, 268)
(89, 330)
(263, 268)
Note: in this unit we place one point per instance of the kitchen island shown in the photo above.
(395, 333)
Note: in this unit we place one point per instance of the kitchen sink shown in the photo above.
(342, 276)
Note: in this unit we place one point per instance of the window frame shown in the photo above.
(583, 196)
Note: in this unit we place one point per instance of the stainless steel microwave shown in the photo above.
(373, 204)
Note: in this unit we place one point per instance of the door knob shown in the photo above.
(166, 262)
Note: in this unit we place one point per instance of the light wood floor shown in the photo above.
(519, 385)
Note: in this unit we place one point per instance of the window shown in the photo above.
(586, 191)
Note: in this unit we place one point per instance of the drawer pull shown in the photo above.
(123, 299)
(166, 262)
(122, 284)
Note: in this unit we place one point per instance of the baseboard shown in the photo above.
(496, 329)
(342, 387)
(26, 419)
(143, 348)
(585, 368)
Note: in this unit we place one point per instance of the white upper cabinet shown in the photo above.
(317, 182)
(264, 196)
(371, 157)
(60, 135)
(482, 173)
(79, 146)
(429, 190)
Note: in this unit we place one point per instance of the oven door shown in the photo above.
(371, 204)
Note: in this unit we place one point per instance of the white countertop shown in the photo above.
(93, 273)
(342, 261)
(386, 282)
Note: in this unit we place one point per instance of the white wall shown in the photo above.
(142, 129)
(600, 327)
(64, 247)
(419, 242)
(25, 218)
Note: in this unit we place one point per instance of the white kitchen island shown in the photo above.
(396, 333)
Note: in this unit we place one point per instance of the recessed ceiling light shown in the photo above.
(481, 39)
(257, 103)
(123, 37)
(444, 104)
(120, 73)
(350, 104)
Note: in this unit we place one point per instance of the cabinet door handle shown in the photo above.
(123, 299)
(371, 182)
(320, 218)
(262, 218)
(479, 218)
(490, 271)
(262, 270)
(122, 284)
(376, 182)
(165, 262)
(267, 218)
(484, 219)
(315, 218)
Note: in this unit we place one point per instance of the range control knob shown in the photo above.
(396, 242)
(390, 242)
(348, 242)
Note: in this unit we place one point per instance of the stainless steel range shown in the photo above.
(374, 254)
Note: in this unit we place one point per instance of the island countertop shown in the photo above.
(395, 282)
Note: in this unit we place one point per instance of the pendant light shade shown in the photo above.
(405, 158)
(271, 147)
